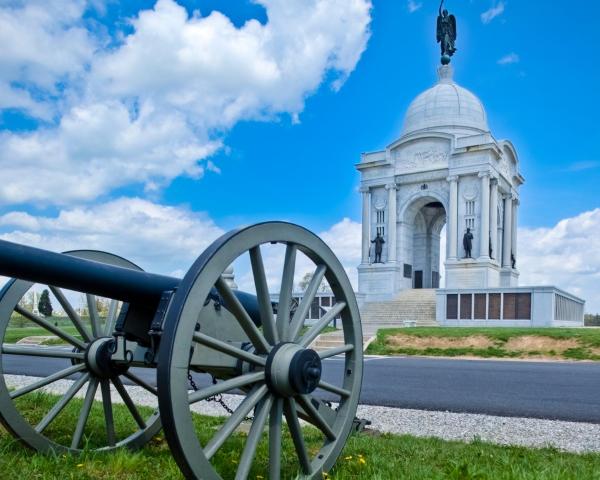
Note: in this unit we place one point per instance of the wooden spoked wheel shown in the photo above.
(283, 378)
(60, 422)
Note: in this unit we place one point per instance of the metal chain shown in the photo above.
(215, 398)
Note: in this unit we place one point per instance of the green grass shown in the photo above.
(366, 456)
(587, 339)
(14, 334)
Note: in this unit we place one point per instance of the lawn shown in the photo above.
(14, 334)
(546, 343)
(367, 455)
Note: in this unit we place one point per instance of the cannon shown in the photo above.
(178, 331)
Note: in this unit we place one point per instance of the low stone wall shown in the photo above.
(544, 306)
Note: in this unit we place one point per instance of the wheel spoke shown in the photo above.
(46, 381)
(256, 430)
(317, 328)
(229, 349)
(111, 318)
(255, 396)
(85, 412)
(94, 316)
(332, 352)
(40, 352)
(285, 293)
(296, 432)
(62, 403)
(309, 296)
(327, 412)
(51, 328)
(262, 294)
(129, 403)
(138, 381)
(227, 385)
(239, 312)
(317, 419)
(334, 389)
(275, 420)
(71, 313)
(108, 412)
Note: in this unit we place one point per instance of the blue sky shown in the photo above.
(226, 142)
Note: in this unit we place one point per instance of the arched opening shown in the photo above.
(425, 219)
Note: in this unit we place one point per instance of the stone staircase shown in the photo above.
(410, 308)
(414, 307)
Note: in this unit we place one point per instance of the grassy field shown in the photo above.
(366, 456)
(552, 343)
(13, 335)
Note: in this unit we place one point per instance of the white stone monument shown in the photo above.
(446, 169)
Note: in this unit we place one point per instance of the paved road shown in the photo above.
(566, 391)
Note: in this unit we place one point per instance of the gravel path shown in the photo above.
(568, 436)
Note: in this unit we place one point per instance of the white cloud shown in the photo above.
(493, 12)
(509, 59)
(413, 6)
(344, 238)
(566, 255)
(152, 108)
(583, 165)
(43, 43)
(161, 239)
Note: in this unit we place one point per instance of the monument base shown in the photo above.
(509, 277)
(473, 273)
(378, 282)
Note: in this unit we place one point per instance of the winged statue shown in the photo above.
(446, 34)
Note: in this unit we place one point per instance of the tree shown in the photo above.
(45, 305)
(303, 284)
(592, 320)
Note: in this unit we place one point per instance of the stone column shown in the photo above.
(391, 188)
(507, 240)
(366, 223)
(453, 218)
(484, 241)
(514, 227)
(494, 219)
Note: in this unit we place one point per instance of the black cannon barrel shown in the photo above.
(65, 271)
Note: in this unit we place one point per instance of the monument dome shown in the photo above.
(446, 106)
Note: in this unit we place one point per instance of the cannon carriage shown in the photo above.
(178, 329)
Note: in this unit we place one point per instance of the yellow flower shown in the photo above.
(349, 457)
(362, 461)
(79, 465)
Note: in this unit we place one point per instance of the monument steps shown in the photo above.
(410, 308)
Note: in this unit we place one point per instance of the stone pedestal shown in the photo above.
(472, 273)
(509, 277)
(379, 282)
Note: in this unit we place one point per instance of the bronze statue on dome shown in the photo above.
(446, 34)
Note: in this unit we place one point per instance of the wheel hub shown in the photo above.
(292, 370)
(98, 359)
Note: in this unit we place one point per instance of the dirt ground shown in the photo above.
(543, 346)
(410, 341)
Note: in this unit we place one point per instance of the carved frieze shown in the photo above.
(426, 154)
